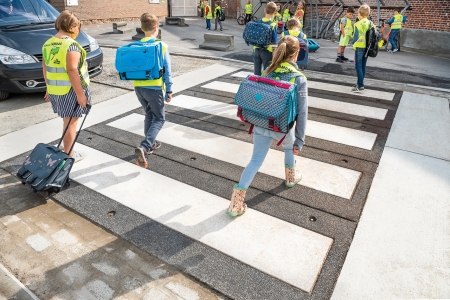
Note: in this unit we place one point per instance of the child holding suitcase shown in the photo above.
(283, 65)
(151, 94)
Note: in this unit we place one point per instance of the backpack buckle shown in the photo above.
(147, 74)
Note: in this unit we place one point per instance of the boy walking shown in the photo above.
(359, 45)
(346, 28)
(396, 24)
(217, 15)
(263, 56)
(151, 93)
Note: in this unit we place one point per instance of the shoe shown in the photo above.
(390, 51)
(344, 58)
(155, 146)
(77, 156)
(141, 159)
(292, 178)
(395, 50)
(215, 29)
(237, 205)
(361, 88)
(221, 29)
(339, 59)
(355, 89)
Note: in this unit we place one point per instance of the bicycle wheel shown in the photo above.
(241, 20)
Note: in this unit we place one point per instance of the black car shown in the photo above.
(24, 27)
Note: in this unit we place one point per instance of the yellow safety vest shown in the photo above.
(272, 24)
(154, 82)
(398, 20)
(295, 33)
(362, 26)
(286, 15)
(202, 5)
(218, 8)
(286, 67)
(249, 9)
(209, 15)
(348, 29)
(300, 18)
(278, 17)
(54, 54)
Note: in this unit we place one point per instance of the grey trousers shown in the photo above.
(220, 23)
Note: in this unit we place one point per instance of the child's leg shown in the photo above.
(156, 114)
(69, 137)
(215, 23)
(266, 56)
(148, 111)
(288, 145)
(392, 38)
(359, 54)
(220, 24)
(260, 148)
(257, 61)
(364, 62)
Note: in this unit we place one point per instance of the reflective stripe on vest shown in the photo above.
(348, 29)
(155, 82)
(286, 67)
(54, 55)
(362, 26)
(286, 15)
(398, 20)
(300, 16)
(209, 15)
(249, 9)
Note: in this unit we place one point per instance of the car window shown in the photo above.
(14, 12)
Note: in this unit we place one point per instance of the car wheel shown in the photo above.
(3, 95)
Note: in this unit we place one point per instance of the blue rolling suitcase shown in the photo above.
(302, 59)
(313, 45)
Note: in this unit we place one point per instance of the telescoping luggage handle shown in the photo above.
(67, 127)
(270, 81)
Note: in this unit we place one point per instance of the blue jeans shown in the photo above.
(153, 103)
(262, 139)
(393, 38)
(208, 24)
(360, 65)
(261, 59)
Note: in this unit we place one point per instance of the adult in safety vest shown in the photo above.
(66, 76)
(208, 15)
(396, 24)
(248, 11)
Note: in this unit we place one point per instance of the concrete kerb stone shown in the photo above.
(176, 21)
(122, 29)
(220, 42)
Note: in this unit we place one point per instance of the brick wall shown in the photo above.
(112, 10)
(422, 14)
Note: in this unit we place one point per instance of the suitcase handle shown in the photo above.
(269, 81)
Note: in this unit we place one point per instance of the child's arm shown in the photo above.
(274, 35)
(342, 29)
(168, 75)
(302, 117)
(390, 21)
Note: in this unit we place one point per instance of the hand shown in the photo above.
(82, 100)
(169, 97)
(295, 150)
(46, 97)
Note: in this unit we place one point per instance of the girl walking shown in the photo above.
(66, 75)
(283, 68)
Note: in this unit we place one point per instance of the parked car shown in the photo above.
(24, 27)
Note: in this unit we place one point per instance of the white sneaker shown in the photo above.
(395, 50)
(77, 156)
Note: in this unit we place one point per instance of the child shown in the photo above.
(278, 16)
(396, 24)
(300, 12)
(286, 14)
(263, 56)
(217, 14)
(359, 45)
(248, 11)
(293, 26)
(208, 15)
(65, 73)
(346, 28)
(283, 66)
(151, 94)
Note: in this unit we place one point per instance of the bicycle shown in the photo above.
(241, 18)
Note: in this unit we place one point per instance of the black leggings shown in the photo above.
(248, 18)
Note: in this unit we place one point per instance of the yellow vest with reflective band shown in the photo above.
(272, 24)
(249, 9)
(202, 5)
(296, 33)
(286, 67)
(217, 8)
(286, 15)
(154, 82)
(362, 26)
(278, 16)
(54, 54)
(300, 18)
(348, 29)
(209, 15)
(398, 20)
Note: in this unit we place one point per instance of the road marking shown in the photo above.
(288, 252)
(335, 88)
(333, 133)
(16, 281)
(317, 175)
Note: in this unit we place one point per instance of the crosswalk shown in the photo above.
(287, 250)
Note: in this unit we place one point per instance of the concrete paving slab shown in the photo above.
(427, 119)
(317, 175)
(262, 240)
(401, 248)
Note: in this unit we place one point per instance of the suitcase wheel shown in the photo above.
(67, 183)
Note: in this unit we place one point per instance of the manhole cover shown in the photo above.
(187, 39)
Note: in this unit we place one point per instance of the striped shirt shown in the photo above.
(64, 105)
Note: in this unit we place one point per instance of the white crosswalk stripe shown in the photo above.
(283, 250)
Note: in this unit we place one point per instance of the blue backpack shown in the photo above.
(268, 102)
(258, 33)
(140, 60)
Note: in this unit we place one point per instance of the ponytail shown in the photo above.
(287, 47)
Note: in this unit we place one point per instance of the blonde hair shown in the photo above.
(148, 22)
(364, 10)
(271, 8)
(66, 20)
(287, 47)
(292, 23)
